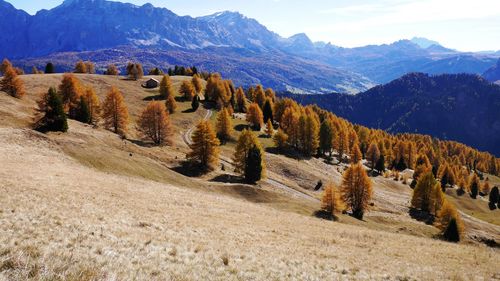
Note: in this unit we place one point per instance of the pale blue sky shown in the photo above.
(459, 24)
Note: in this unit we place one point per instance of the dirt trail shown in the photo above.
(187, 136)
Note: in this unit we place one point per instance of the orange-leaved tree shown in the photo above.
(246, 142)
(187, 90)
(115, 112)
(71, 90)
(224, 126)
(154, 123)
(255, 117)
(11, 84)
(331, 202)
(356, 190)
(205, 146)
(93, 104)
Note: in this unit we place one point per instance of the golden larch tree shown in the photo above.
(422, 166)
(112, 70)
(356, 190)
(90, 67)
(246, 141)
(171, 104)
(373, 154)
(11, 83)
(355, 154)
(260, 96)
(224, 126)
(309, 134)
(93, 104)
(5, 65)
(241, 101)
(205, 146)
(450, 223)
(115, 112)
(341, 143)
(80, 67)
(166, 87)
(255, 116)
(331, 201)
(427, 195)
(154, 123)
(269, 128)
(135, 71)
(197, 85)
(187, 90)
(280, 140)
(71, 90)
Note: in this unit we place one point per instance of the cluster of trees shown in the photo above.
(248, 157)
(79, 102)
(355, 193)
(85, 67)
(135, 71)
(182, 71)
(11, 83)
(429, 198)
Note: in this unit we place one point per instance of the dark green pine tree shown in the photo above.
(325, 138)
(380, 165)
(195, 103)
(494, 198)
(267, 112)
(451, 233)
(54, 119)
(83, 114)
(401, 166)
(253, 165)
(49, 68)
(474, 190)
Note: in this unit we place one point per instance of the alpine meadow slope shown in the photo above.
(109, 207)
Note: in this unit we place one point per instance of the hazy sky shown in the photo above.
(464, 25)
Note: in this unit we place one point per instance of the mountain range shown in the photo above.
(240, 48)
(459, 107)
(493, 74)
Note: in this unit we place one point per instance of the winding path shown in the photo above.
(187, 137)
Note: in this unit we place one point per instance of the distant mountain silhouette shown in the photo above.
(101, 27)
(493, 74)
(460, 107)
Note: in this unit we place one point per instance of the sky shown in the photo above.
(458, 24)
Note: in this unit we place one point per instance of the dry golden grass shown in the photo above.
(87, 205)
(62, 220)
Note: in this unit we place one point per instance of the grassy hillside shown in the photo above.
(87, 205)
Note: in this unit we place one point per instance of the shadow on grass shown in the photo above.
(422, 216)
(287, 153)
(322, 214)
(241, 127)
(181, 99)
(153, 98)
(226, 178)
(189, 110)
(190, 169)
